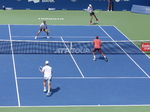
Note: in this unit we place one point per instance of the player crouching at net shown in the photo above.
(90, 10)
(47, 71)
(43, 27)
(97, 47)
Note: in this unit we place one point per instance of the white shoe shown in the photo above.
(48, 94)
(35, 37)
(48, 37)
(44, 90)
(94, 59)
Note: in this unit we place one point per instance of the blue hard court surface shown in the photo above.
(77, 79)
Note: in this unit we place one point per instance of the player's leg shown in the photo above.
(38, 33)
(91, 17)
(100, 51)
(49, 86)
(95, 17)
(47, 33)
(94, 57)
(110, 7)
(44, 84)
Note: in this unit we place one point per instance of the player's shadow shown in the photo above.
(44, 37)
(100, 58)
(53, 91)
(95, 23)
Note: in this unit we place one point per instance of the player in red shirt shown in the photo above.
(97, 47)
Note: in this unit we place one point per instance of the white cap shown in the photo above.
(90, 5)
(46, 62)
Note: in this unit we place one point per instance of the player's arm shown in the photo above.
(89, 9)
(93, 42)
(43, 70)
(100, 43)
(40, 27)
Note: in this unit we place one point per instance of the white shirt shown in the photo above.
(43, 26)
(47, 71)
(90, 9)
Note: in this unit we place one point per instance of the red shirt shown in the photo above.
(97, 43)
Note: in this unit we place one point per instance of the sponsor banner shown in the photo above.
(118, 5)
(145, 47)
(140, 9)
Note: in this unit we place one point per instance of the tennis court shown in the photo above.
(77, 79)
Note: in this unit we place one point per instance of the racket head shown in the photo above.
(40, 68)
(96, 11)
(48, 29)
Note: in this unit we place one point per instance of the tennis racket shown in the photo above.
(96, 11)
(48, 29)
(40, 68)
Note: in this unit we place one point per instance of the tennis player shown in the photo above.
(47, 71)
(97, 47)
(90, 10)
(43, 27)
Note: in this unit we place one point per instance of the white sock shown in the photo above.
(104, 56)
(44, 88)
(94, 56)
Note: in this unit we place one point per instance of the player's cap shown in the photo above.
(97, 37)
(90, 5)
(46, 62)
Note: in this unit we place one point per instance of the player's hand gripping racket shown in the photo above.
(40, 68)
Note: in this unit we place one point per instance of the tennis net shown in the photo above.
(74, 47)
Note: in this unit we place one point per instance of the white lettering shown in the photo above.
(35, 1)
(48, 1)
(73, 50)
(56, 19)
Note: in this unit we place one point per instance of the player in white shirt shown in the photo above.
(43, 27)
(47, 71)
(90, 10)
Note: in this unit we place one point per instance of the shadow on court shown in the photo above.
(95, 23)
(100, 58)
(54, 90)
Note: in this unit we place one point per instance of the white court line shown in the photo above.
(66, 36)
(37, 78)
(14, 66)
(127, 54)
(73, 58)
(141, 105)
(131, 41)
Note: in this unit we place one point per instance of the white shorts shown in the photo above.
(48, 79)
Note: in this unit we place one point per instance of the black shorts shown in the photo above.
(92, 13)
(97, 49)
(41, 29)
